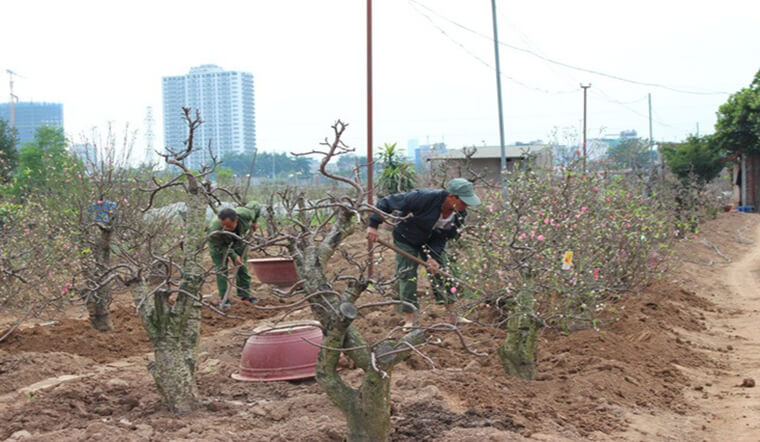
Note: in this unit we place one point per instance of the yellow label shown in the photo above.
(568, 259)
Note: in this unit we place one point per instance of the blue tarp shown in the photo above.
(102, 211)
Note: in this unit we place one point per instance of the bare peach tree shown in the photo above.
(106, 203)
(317, 231)
(160, 260)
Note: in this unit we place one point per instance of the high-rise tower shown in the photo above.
(226, 105)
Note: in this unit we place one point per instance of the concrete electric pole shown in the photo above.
(498, 93)
(14, 99)
(585, 88)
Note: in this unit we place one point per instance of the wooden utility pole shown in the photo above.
(585, 88)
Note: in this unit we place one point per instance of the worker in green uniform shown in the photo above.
(226, 234)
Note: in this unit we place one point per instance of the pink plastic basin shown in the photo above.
(276, 271)
(281, 354)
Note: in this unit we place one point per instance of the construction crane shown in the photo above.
(14, 98)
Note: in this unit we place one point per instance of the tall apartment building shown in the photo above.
(225, 102)
(29, 116)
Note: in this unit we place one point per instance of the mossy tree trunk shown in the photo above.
(368, 408)
(98, 302)
(519, 351)
(172, 318)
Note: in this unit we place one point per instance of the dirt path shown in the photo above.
(736, 409)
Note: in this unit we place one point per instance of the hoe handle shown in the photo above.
(423, 263)
(412, 257)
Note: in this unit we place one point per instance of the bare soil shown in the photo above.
(666, 364)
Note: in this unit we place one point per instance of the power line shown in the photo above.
(659, 122)
(603, 95)
(600, 93)
(487, 64)
(569, 66)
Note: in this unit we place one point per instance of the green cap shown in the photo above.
(464, 191)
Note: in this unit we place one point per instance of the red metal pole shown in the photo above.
(370, 161)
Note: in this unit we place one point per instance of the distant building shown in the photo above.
(611, 140)
(411, 147)
(226, 105)
(425, 151)
(627, 134)
(30, 116)
(486, 161)
(86, 152)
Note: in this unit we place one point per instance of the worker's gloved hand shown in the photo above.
(372, 234)
(432, 265)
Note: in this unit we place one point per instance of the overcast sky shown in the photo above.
(434, 69)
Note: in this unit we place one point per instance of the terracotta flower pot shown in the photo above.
(281, 353)
(276, 271)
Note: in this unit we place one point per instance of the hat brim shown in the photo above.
(471, 200)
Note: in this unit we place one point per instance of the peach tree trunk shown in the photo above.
(174, 328)
(519, 351)
(99, 303)
(368, 408)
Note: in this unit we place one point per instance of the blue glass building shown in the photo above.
(29, 116)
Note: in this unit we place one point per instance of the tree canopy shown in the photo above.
(45, 164)
(738, 126)
(267, 164)
(8, 153)
(632, 153)
(695, 157)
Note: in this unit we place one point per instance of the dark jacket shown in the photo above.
(425, 207)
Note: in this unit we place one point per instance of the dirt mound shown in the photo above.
(424, 421)
(21, 369)
(128, 337)
(586, 383)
